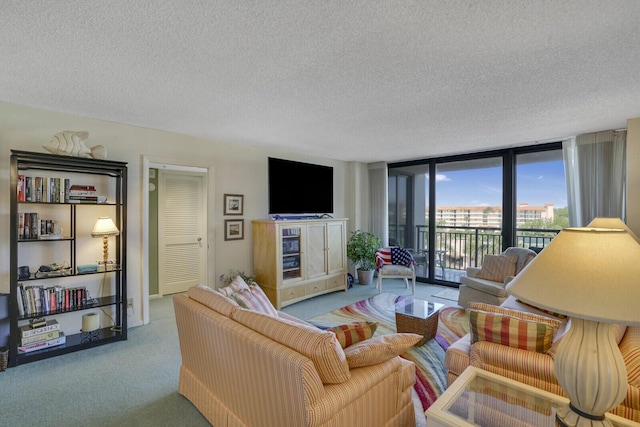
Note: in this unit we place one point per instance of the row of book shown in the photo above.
(45, 189)
(35, 300)
(31, 226)
(40, 334)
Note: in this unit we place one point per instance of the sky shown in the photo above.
(537, 184)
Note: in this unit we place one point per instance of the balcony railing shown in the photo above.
(462, 247)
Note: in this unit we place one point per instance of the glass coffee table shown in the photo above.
(482, 398)
(418, 317)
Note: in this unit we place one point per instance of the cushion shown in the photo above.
(395, 270)
(497, 267)
(353, 332)
(379, 349)
(510, 331)
(524, 315)
(212, 299)
(237, 285)
(255, 299)
(549, 312)
(321, 347)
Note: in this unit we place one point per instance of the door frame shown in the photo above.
(151, 162)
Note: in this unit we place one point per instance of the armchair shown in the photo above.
(476, 287)
(395, 263)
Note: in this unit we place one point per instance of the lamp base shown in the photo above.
(569, 416)
(590, 369)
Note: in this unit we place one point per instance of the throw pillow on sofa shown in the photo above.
(379, 349)
(510, 331)
(497, 267)
(524, 315)
(237, 285)
(255, 299)
(353, 333)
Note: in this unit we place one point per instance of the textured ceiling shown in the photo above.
(352, 80)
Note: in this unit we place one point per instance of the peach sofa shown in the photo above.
(236, 371)
(536, 369)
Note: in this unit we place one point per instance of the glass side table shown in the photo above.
(481, 398)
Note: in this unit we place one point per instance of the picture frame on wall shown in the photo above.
(233, 204)
(233, 229)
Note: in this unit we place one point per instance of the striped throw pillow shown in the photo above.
(497, 267)
(255, 299)
(510, 331)
(379, 349)
(524, 315)
(352, 333)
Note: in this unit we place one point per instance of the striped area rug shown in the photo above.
(431, 378)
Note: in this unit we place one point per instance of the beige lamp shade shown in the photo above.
(609, 222)
(588, 273)
(104, 227)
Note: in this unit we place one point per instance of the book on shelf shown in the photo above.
(43, 344)
(27, 331)
(34, 300)
(45, 336)
(22, 189)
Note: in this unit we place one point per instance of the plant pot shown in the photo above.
(365, 277)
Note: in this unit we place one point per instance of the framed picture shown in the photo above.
(233, 204)
(233, 229)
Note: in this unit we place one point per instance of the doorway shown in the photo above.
(177, 257)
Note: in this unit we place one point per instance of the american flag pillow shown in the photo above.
(394, 255)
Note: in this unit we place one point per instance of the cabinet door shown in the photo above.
(315, 252)
(335, 249)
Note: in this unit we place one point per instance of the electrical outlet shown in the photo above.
(129, 302)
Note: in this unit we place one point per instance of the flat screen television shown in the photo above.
(299, 188)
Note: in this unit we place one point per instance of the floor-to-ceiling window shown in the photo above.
(452, 211)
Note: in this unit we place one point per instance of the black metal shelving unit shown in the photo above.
(24, 162)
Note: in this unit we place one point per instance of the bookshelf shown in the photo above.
(56, 269)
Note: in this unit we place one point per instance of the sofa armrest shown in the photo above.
(473, 271)
(529, 367)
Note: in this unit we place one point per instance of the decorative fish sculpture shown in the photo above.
(71, 143)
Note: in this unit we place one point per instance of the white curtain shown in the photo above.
(378, 201)
(596, 173)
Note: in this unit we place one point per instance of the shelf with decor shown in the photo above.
(66, 294)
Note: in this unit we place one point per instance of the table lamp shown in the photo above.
(104, 228)
(591, 275)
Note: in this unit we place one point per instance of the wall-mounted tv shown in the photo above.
(299, 188)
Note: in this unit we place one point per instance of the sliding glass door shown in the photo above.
(453, 211)
(468, 214)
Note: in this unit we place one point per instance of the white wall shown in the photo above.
(237, 169)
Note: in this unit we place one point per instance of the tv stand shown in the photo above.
(298, 259)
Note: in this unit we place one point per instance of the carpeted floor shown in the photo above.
(431, 378)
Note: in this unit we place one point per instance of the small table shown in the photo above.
(482, 398)
(418, 317)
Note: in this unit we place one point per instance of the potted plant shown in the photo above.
(361, 250)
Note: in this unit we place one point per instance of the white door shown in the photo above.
(182, 225)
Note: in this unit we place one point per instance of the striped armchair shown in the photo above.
(536, 369)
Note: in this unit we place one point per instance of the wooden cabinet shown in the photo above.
(296, 260)
(44, 192)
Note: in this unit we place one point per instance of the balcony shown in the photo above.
(460, 247)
